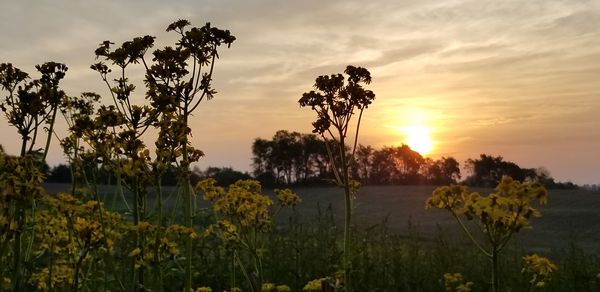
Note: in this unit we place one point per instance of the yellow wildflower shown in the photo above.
(134, 252)
(540, 269)
(287, 197)
(456, 282)
(283, 288)
(144, 226)
(268, 287)
(313, 286)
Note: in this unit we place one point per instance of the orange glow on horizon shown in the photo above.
(417, 137)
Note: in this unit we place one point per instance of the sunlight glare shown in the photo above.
(418, 139)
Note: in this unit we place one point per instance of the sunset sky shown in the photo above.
(520, 79)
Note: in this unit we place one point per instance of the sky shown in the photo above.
(517, 79)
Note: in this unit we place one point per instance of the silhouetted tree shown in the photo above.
(59, 174)
(290, 157)
(364, 163)
(444, 171)
(224, 176)
(488, 170)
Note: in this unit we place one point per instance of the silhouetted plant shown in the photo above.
(28, 105)
(132, 122)
(335, 101)
(177, 81)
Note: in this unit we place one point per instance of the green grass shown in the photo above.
(397, 245)
(570, 214)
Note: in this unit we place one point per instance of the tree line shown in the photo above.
(291, 157)
(296, 158)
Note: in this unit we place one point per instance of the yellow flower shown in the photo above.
(144, 226)
(204, 289)
(313, 286)
(540, 269)
(89, 205)
(283, 288)
(456, 282)
(268, 287)
(287, 197)
(134, 252)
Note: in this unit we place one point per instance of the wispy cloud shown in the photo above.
(525, 71)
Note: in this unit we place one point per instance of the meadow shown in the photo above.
(398, 245)
(569, 215)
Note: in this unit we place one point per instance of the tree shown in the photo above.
(334, 102)
(223, 176)
(444, 171)
(364, 163)
(261, 156)
(488, 170)
(60, 174)
(288, 158)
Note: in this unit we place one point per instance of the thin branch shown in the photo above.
(333, 164)
(468, 233)
(356, 134)
(210, 73)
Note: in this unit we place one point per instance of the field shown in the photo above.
(569, 215)
(395, 243)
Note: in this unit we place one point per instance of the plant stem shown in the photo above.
(158, 232)
(75, 286)
(244, 272)
(50, 131)
(187, 197)
(348, 213)
(495, 275)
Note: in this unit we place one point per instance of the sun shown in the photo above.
(418, 139)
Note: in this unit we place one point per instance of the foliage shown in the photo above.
(456, 282)
(31, 103)
(488, 170)
(223, 175)
(540, 270)
(498, 215)
(244, 218)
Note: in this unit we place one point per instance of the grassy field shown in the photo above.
(570, 215)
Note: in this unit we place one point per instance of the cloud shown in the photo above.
(523, 66)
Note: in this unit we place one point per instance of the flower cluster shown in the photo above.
(72, 233)
(507, 210)
(455, 282)
(540, 269)
(287, 198)
(313, 286)
(270, 287)
(225, 231)
(243, 202)
(164, 243)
